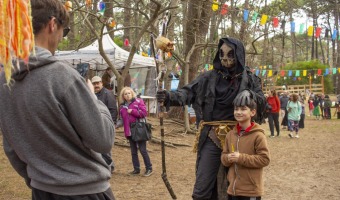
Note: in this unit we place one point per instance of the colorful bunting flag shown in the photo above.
(334, 70)
(302, 28)
(290, 72)
(245, 15)
(319, 72)
(257, 72)
(224, 9)
(334, 34)
(255, 14)
(264, 19)
(264, 72)
(318, 32)
(282, 73)
(326, 72)
(214, 6)
(275, 22)
(297, 73)
(292, 27)
(270, 73)
(304, 73)
(310, 31)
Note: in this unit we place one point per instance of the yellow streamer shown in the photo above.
(16, 33)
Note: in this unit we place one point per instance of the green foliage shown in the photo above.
(304, 80)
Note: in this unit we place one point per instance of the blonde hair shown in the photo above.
(121, 95)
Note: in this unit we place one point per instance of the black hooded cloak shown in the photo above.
(212, 93)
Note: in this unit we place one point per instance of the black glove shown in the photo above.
(162, 95)
(243, 98)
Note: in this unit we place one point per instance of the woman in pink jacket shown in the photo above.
(131, 109)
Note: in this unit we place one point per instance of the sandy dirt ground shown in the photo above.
(302, 169)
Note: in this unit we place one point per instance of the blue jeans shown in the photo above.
(134, 146)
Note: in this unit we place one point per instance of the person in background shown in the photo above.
(109, 79)
(327, 107)
(310, 106)
(274, 112)
(107, 97)
(294, 112)
(303, 114)
(283, 104)
(316, 110)
(321, 104)
(285, 122)
(54, 128)
(131, 109)
(246, 153)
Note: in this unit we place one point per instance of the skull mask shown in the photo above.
(227, 56)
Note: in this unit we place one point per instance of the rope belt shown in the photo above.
(217, 133)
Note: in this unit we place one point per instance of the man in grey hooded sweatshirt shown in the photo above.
(54, 128)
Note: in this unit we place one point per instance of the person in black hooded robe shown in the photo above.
(212, 93)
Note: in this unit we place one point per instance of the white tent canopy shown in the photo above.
(117, 55)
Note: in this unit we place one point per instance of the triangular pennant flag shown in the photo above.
(263, 19)
(270, 73)
(264, 72)
(297, 73)
(275, 22)
(338, 70)
(339, 37)
(304, 73)
(319, 72)
(318, 32)
(257, 72)
(245, 15)
(290, 73)
(310, 31)
(282, 73)
(211, 67)
(302, 27)
(334, 70)
(292, 27)
(255, 14)
(335, 32)
(224, 9)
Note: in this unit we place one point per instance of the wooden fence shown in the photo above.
(315, 88)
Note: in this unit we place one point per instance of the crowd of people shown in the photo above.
(291, 109)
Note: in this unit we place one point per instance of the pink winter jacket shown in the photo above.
(138, 111)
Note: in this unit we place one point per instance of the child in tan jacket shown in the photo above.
(245, 153)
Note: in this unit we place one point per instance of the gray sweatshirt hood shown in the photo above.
(43, 57)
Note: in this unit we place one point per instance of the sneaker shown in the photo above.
(290, 135)
(297, 136)
(272, 136)
(135, 172)
(148, 172)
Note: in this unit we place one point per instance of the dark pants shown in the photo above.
(134, 153)
(242, 198)
(273, 119)
(208, 165)
(302, 121)
(42, 195)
